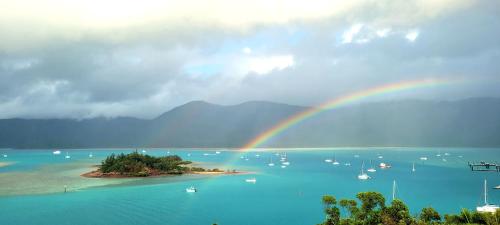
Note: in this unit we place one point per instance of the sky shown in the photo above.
(86, 59)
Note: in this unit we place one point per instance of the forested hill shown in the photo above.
(464, 123)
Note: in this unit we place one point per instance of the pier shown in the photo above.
(484, 166)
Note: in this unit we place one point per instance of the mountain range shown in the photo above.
(473, 122)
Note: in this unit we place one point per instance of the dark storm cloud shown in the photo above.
(146, 70)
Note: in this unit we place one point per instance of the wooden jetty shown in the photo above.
(484, 166)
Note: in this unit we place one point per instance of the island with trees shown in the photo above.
(373, 210)
(141, 165)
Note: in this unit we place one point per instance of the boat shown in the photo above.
(487, 208)
(143, 151)
(439, 153)
(5, 155)
(423, 158)
(444, 160)
(90, 155)
(347, 164)
(283, 166)
(67, 156)
(496, 187)
(384, 166)
(356, 156)
(328, 160)
(57, 152)
(413, 168)
(251, 180)
(363, 175)
(446, 154)
(286, 163)
(257, 156)
(380, 157)
(191, 189)
(217, 152)
(371, 169)
(335, 162)
(271, 162)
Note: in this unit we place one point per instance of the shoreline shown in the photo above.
(5, 164)
(97, 174)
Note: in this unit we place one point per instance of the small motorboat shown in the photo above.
(191, 189)
(286, 163)
(347, 164)
(384, 166)
(217, 152)
(496, 187)
(328, 160)
(251, 180)
(57, 152)
(423, 158)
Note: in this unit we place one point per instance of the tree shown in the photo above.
(331, 210)
(429, 214)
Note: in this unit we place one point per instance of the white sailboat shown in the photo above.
(91, 155)
(371, 169)
(487, 207)
(328, 160)
(67, 156)
(335, 162)
(363, 175)
(271, 162)
(413, 168)
(439, 153)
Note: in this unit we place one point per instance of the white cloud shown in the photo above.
(247, 50)
(263, 65)
(350, 33)
(383, 32)
(412, 35)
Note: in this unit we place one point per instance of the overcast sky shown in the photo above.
(84, 59)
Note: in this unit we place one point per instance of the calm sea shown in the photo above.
(32, 185)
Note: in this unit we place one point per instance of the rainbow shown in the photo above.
(338, 102)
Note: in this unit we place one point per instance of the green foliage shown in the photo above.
(135, 164)
(373, 211)
(429, 214)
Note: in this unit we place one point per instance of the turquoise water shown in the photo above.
(31, 187)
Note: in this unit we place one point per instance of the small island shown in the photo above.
(140, 165)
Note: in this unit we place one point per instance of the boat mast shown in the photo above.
(485, 193)
(393, 190)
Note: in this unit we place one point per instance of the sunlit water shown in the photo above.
(32, 186)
